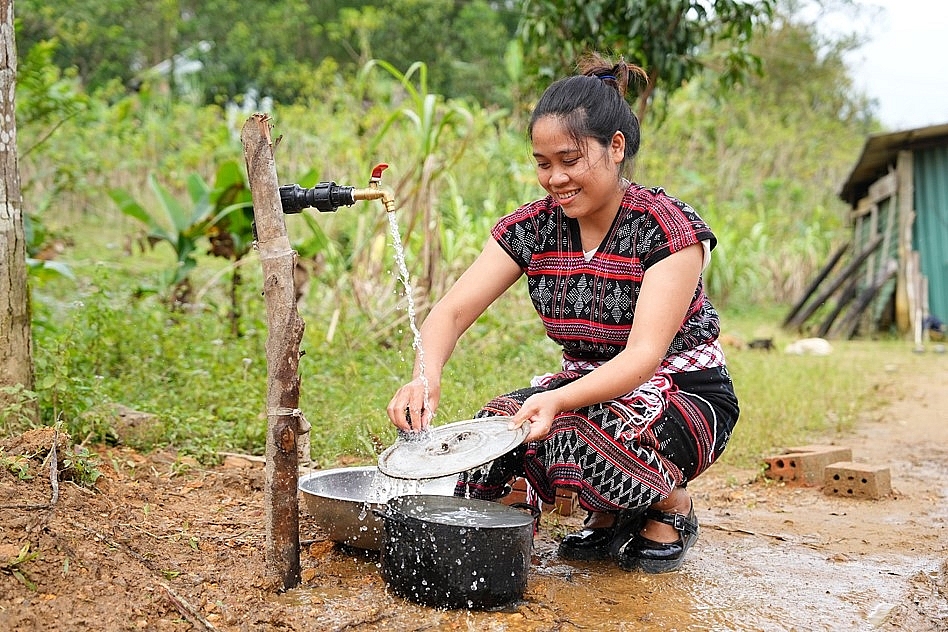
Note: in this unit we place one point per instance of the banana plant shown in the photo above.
(221, 213)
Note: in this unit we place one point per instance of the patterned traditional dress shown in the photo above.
(634, 450)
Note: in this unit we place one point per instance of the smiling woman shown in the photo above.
(642, 402)
(581, 179)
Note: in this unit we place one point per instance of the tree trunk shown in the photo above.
(16, 356)
(285, 331)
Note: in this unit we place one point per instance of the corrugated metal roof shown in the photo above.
(881, 150)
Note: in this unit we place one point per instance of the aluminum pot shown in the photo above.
(341, 502)
(449, 552)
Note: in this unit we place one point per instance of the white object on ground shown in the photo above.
(809, 346)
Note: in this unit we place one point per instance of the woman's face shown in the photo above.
(583, 178)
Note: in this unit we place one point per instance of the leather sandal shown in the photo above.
(640, 553)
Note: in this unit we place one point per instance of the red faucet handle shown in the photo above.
(377, 172)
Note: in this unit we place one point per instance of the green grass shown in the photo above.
(102, 341)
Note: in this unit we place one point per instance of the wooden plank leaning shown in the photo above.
(852, 267)
(815, 283)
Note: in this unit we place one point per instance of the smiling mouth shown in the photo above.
(565, 197)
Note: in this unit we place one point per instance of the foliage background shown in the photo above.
(440, 91)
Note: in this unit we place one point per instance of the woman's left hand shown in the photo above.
(538, 411)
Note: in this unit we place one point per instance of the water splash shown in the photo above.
(477, 475)
(384, 488)
(406, 282)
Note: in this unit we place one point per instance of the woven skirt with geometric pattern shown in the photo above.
(621, 454)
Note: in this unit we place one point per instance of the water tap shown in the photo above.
(327, 197)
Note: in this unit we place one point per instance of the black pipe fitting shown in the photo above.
(325, 197)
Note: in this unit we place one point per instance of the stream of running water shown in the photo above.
(410, 299)
(384, 487)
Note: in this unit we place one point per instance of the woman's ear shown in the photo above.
(617, 147)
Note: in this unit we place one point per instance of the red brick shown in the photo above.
(857, 480)
(805, 465)
(567, 502)
(518, 493)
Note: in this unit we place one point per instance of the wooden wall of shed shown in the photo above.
(898, 234)
(889, 210)
(880, 285)
(876, 219)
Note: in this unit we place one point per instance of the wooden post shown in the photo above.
(285, 331)
(904, 295)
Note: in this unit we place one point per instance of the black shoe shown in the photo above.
(588, 544)
(628, 523)
(640, 553)
(602, 543)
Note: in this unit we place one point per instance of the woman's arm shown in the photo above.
(667, 290)
(486, 279)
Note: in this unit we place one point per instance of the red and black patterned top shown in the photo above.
(587, 307)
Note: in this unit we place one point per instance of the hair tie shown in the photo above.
(606, 77)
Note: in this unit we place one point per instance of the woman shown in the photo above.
(643, 403)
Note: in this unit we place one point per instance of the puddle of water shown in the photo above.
(750, 586)
(732, 584)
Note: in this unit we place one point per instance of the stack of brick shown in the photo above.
(833, 468)
(805, 465)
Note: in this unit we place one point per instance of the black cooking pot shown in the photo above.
(450, 552)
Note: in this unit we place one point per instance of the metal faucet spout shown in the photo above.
(371, 193)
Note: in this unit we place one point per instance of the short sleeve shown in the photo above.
(676, 226)
(519, 233)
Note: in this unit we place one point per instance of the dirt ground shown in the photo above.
(162, 544)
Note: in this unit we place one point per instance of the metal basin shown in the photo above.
(341, 502)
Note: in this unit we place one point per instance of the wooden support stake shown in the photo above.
(845, 297)
(815, 283)
(285, 331)
(850, 323)
(834, 285)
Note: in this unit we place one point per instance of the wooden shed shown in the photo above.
(896, 278)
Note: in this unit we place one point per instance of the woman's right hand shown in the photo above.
(408, 409)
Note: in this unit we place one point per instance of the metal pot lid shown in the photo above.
(451, 449)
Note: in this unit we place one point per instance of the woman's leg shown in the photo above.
(678, 502)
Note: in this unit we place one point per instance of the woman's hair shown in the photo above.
(593, 102)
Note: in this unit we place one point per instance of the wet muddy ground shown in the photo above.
(161, 545)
